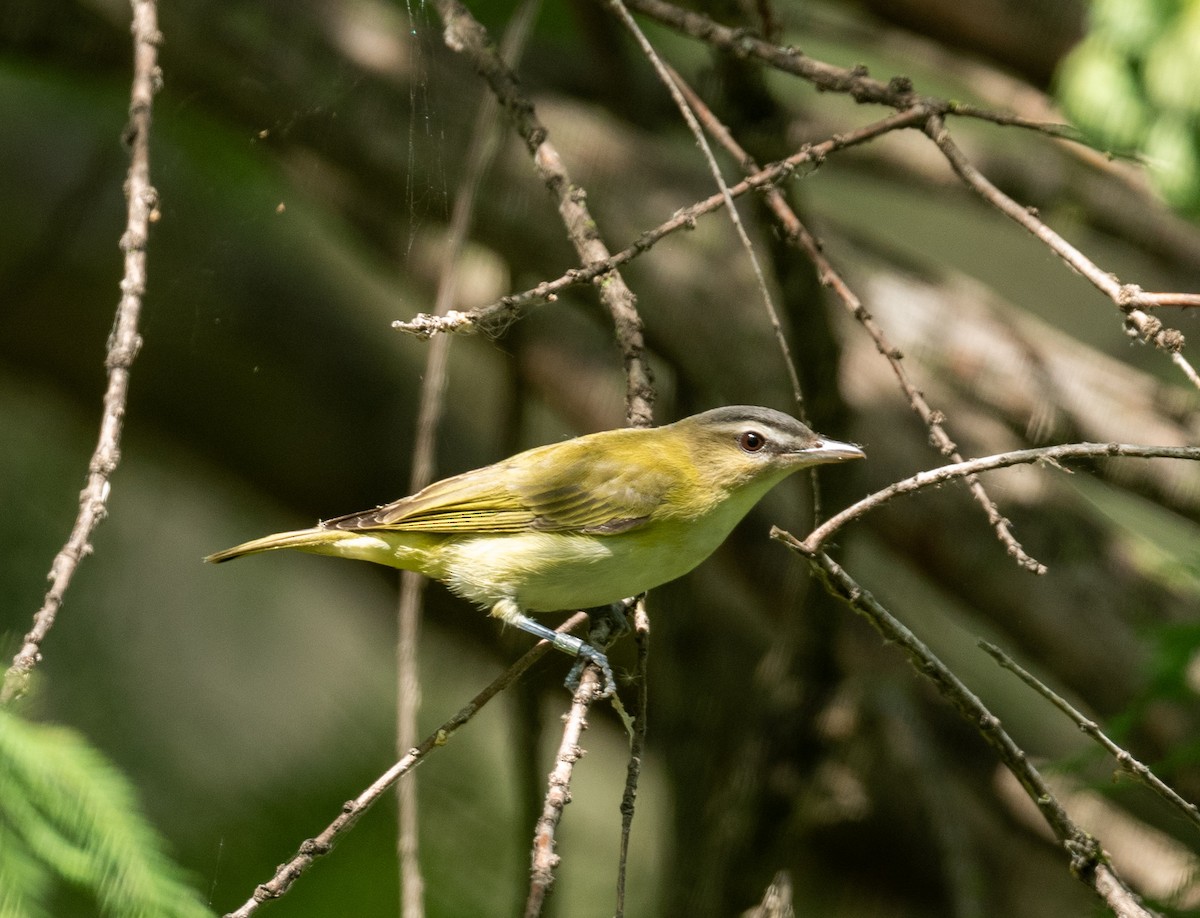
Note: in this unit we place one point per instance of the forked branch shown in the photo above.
(971, 467)
(1087, 859)
(509, 307)
(1125, 759)
(313, 848)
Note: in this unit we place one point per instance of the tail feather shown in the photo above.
(412, 551)
(304, 539)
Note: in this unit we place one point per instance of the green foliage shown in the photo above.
(67, 815)
(1134, 84)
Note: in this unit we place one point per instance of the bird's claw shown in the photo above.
(588, 654)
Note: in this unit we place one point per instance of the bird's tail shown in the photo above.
(319, 541)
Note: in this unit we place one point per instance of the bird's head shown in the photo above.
(741, 444)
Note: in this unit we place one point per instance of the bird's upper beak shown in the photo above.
(833, 451)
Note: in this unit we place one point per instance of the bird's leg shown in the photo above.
(607, 624)
(509, 612)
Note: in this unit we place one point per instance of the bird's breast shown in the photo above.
(550, 571)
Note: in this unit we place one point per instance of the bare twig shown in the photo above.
(543, 858)
(310, 850)
(463, 33)
(1052, 454)
(637, 746)
(1146, 300)
(1067, 132)
(683, 98)
(508, 307)
(704, 115)
(408, 703)
(1129, 298)
(1087, 860)
(899, 93)
(853, 81)
(1124, 758)
(558, 795)
(123, 344)
(856, 82)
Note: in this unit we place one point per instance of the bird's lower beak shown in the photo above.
(834, 451)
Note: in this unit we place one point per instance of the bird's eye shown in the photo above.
(752, 441)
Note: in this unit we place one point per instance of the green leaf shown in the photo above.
(1172, 71)
(1172, 154)
(1132, 25)
(1098, 87)
(67, 814)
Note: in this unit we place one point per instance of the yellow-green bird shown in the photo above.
(582, 523)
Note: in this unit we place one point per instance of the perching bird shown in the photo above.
(582, 523)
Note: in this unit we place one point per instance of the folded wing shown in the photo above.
(558, 488)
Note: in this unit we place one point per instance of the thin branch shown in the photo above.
(637, 746)
(696, 107)
(1106, 283)
(464, 34)
(684, 98)
(408, 703)
(855, 82)
(1086, 725)
(1127, 297)
(543, 859)
(898, 93)
(1155, 300)
(1051, 454)
(1087, 860)
(508, 307)
(1067, 132)
(558, 794)
(310, 850)
(123, 345)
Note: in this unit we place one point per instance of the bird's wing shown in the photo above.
(558, 488)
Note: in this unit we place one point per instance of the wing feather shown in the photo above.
(565, 487)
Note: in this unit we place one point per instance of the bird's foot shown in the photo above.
(589, 654)
(583, 651)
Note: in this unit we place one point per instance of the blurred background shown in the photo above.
(307, 157)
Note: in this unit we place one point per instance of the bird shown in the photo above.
(578, 524)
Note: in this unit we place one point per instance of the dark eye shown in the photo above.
(752, 441)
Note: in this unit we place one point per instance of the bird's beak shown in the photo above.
(833, 451)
